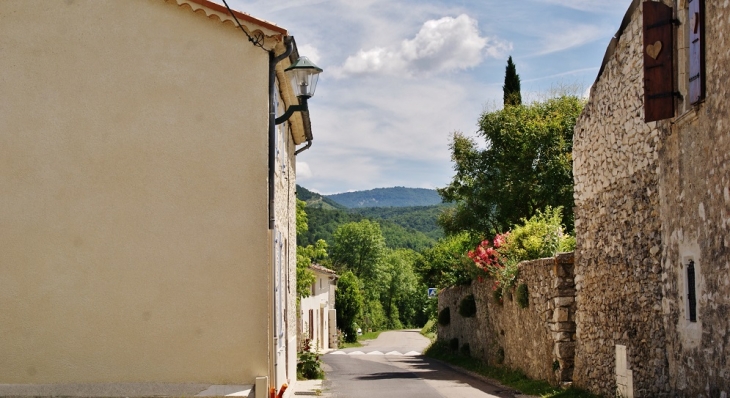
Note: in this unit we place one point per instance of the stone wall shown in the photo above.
(618, 251)
(694, 165)
(538, 339)
(650, 197)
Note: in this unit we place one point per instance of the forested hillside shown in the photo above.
(315, 200)
(388, 197)
(324, 222)
(419, 218)
(403, 227)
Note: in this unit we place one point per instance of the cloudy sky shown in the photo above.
(402, 75)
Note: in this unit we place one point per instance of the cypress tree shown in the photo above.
(511, 86)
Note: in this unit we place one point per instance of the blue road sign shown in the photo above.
(431, 292)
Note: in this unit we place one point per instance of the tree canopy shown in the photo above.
(526, 166)
(511, 88)
(349, 304)
(359, 247)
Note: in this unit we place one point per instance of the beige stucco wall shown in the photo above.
(133, 214)
(320, 303)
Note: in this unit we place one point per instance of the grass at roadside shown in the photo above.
(362, 337)
(429, 330)
(508, 377)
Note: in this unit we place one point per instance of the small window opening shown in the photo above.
(691, 292)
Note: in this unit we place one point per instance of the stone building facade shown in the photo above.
(653, 213)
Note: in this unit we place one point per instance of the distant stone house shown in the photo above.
(652, 193)
(318, 316)
(147, 227)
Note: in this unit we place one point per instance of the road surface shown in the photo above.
(392, 367)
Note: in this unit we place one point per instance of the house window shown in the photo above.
(691, 292)
(696, 35)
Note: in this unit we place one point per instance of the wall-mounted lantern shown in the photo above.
(303, 75)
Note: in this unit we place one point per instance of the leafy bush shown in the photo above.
(465, 350)
(539, 236)
(497, 296)
(445, 317)
(349, 304)
(309, 365)
(468, 306)
(523, 297)
(454, 344)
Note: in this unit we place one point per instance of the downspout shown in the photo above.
(273, 60)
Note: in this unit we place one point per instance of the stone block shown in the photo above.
(564, 301)
(564, 350)
(561, 315)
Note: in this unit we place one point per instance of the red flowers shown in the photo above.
(487, 258)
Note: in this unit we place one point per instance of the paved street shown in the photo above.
(391, 366)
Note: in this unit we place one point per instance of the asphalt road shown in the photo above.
(391, 367)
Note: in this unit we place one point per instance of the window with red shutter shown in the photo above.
(696, 51)
(659, 90)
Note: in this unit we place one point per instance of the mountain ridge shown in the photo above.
(387, 197)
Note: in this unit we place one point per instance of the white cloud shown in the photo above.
(309, 51)
(441, 45)
(303, 171)
(574, 36)
(592, 5)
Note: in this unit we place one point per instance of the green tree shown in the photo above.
(359, 247)
(446, 263)
(511, 88)
(306, 255)
(302, 220)
(349, 302)
(397, 285)
(525, 167)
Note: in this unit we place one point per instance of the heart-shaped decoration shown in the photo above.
(653, 50)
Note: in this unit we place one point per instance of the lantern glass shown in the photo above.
(303, 75)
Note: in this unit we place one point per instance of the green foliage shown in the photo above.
(468, 306)
(302, 226)
(315, 200)
(509, 377)
(388, 197)
(399, 288)
(497, 295)
(309, 365)
(540, 236)
(323, 223)
(445, 317)
(430, 329)
(525, 167)
(305, 257)
(523, 297)
(359, 247)
(511, 88)
(446, 263)
(415, 218)
(465, 350)
(349, 304)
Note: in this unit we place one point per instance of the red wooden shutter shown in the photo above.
(696, 51)
(658, 62)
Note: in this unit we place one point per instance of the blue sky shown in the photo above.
(402, 75)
